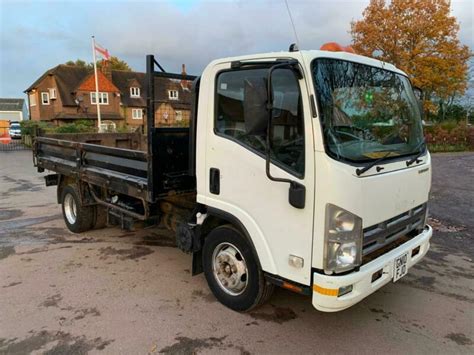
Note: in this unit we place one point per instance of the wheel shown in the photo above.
(78, 218)
(100, 220)
(232, 270)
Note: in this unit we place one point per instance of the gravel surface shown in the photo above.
(112, 291)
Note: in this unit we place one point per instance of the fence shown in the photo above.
(14, 145)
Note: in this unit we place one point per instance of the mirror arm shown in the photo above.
(269, 123)
(297, 191)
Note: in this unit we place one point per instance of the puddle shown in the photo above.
(9, 214)
(132, 253)
(439, 226)
(25, 222)
(62, 343)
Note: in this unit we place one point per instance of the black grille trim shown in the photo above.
(384, 233)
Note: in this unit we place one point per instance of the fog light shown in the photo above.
(415, 251)
(344, 290)
(377, 275)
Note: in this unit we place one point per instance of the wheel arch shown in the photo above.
(216, 217)
(63, 181)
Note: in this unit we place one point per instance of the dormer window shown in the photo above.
(134, 92)
(103, 98)
(173, 94)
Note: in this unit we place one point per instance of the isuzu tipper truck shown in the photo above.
(301, 169)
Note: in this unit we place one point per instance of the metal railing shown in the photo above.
(13, 145)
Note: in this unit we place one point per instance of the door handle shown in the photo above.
(214, 181)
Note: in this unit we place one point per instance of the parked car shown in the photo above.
(15, 130)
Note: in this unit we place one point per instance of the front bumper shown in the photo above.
(325, 298)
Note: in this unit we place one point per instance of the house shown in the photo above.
(67, 93)
(13, 110)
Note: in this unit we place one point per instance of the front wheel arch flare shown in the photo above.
(225, 218)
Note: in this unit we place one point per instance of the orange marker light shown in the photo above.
(336, 47)
(326, 291)
(291, 287)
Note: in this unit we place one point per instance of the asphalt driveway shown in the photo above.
(112, 291)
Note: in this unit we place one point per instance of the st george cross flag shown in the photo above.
(102, 51)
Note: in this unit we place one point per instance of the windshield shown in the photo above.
(366, 112)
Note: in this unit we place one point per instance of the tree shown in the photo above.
(78, 63)
(421, 38)
(114, 62)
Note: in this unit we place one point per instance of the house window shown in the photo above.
(32, 99)
(45, 98)
(134, 92)
(52, 93)
(103, 98)
(179, 115)
(173, 94)
(137, 113)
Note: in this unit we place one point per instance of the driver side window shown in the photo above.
(287, 130)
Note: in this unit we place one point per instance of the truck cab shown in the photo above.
(317, 159)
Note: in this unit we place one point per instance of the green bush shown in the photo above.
(28, 127)
(80, 126)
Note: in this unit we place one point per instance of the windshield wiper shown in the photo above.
(371, 165)
(415, 158)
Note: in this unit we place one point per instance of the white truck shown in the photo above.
(306, 170)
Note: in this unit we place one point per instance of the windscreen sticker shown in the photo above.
(376, 155)
(223, 86)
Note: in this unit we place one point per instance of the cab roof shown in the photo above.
(306, 56)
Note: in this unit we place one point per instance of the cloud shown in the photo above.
(35, 36)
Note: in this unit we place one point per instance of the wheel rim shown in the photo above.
(230, 269)
(70, 209)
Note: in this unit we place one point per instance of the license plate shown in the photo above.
(400, 267)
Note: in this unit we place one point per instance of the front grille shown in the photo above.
(381, 235)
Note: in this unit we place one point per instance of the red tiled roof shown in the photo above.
(105, 85)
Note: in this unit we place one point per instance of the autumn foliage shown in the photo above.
(449, 136)
(421, 38)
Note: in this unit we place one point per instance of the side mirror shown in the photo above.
(255, 106)
(297, 195)
(419, 98)
(418, 93)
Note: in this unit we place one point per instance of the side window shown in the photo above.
(287, 133)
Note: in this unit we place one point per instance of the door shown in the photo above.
(236, 181)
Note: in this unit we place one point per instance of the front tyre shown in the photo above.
(78, 218)
(232, 270)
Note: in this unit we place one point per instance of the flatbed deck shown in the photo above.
(134, 173)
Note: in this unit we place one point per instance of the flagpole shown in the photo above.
(96, 84)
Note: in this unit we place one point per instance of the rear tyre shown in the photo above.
(78, 218)
(232, 270)
(100, 213)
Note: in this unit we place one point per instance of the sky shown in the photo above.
(36, 35)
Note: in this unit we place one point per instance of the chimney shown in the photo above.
(106, 69)
(184, 83)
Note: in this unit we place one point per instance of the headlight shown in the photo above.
(343, 240)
